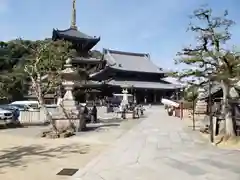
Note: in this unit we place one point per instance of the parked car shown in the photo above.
(6, 117)
(15, 110)
(21, 107)
(29, 105)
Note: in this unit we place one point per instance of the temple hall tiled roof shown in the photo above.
(143, 84)
(127, 61)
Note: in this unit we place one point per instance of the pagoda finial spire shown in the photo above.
(73, 22)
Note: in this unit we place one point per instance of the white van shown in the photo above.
(26, 105)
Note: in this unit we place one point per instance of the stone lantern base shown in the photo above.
(68, 116)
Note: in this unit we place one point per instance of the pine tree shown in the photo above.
(209, 59)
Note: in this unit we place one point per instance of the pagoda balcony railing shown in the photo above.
(88, 59)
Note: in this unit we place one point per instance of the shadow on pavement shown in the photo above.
(93, 127)
(20, 156)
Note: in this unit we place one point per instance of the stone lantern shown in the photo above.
(69, 76)
(67, 114)
(125, 94)
(201, 105)
(201, 92)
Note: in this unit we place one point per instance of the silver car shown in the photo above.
(6, 117)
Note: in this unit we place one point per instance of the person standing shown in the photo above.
(94, 114)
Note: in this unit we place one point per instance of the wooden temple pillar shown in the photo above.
(154, 96)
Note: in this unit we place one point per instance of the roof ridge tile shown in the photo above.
(126, 53)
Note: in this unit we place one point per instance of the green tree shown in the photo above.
(43, 67)
(13, 85)
(191, 93)
(209, 59)
(12, 76)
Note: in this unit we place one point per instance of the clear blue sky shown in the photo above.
(157, 27)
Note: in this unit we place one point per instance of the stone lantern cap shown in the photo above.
(69, 73)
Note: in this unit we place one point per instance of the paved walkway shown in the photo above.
(161, 147)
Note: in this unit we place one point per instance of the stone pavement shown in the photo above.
(161, 147)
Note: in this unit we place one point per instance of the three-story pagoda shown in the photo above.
(83, 44)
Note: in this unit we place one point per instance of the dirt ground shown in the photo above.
(26, 156)
(230, 144)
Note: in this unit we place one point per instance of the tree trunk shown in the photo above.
(48, 115)
(229, 125)
(38, 92)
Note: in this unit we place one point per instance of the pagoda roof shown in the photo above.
(129, 61)
(88, 83)
(85, 59)
(74, 33)
(76, 36)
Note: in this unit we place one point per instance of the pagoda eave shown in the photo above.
(76, 37)
(77, 60)
(73, 35)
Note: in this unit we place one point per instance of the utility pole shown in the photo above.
(210, 112)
